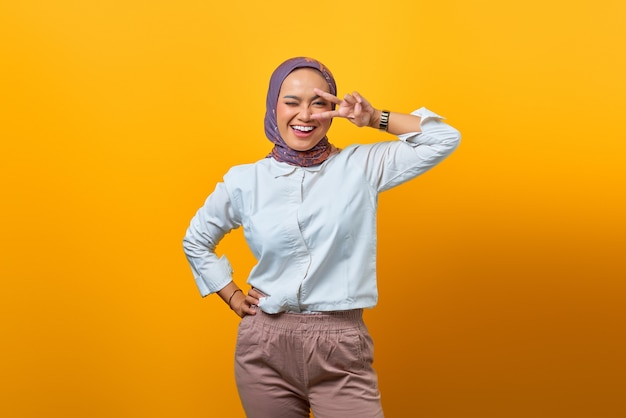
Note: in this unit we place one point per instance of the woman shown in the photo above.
(309, 216)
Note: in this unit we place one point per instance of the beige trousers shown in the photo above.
(289, 364)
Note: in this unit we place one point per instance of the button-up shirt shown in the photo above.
(312, 230)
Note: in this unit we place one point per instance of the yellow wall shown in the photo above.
(501, 272)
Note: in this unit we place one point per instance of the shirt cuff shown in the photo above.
(221, 273)
(426, 115)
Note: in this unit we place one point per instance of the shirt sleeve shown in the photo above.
(213, 220)
(388, 164)
(434, 131)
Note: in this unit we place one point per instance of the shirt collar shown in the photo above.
(280, 169)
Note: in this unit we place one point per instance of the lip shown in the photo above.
(302, 134)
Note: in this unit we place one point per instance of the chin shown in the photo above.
(298, 145)
(303, 149)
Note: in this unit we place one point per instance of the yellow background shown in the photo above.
(502, 271)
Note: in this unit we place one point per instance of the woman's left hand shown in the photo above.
(353, 107)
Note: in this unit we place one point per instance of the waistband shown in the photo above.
(322, 321)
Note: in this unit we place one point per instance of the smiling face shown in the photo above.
(296, 103)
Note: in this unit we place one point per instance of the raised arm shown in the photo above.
(360, 112)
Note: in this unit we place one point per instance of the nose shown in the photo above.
(305, 114)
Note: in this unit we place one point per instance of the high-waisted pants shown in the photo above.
(289, 364)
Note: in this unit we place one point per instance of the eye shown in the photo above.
(319, 103)
(291, 103)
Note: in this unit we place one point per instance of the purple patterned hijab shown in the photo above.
(281, 152)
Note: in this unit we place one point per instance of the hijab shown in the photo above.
(281, 152)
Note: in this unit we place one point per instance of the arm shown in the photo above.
(394, 162)
(429, 140)
(360, 112)
(238, 301)
(213, 274)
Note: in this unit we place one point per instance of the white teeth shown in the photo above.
(303, 128)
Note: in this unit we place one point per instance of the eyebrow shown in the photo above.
(299, 98)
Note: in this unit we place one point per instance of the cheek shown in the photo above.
(282, 120)
(283, 113)
(326, 124)
(279, 113)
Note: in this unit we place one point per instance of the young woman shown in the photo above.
(308, 212)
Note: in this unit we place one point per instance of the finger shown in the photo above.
(364, 102)
(327, 96)
(249, 310)
(348, 98)
(325, 115)
(359, 98)
(250, 300)
(253, 299)
(256, 293)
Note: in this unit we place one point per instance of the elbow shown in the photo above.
(195, 246)
(455, 138)
(452, 140)
(191, 246)
(187, 246)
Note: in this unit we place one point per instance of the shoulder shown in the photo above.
(245, 171)
(363, 151)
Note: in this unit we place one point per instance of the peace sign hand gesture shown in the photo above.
(353, 107)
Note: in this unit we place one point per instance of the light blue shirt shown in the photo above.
(312, 230)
